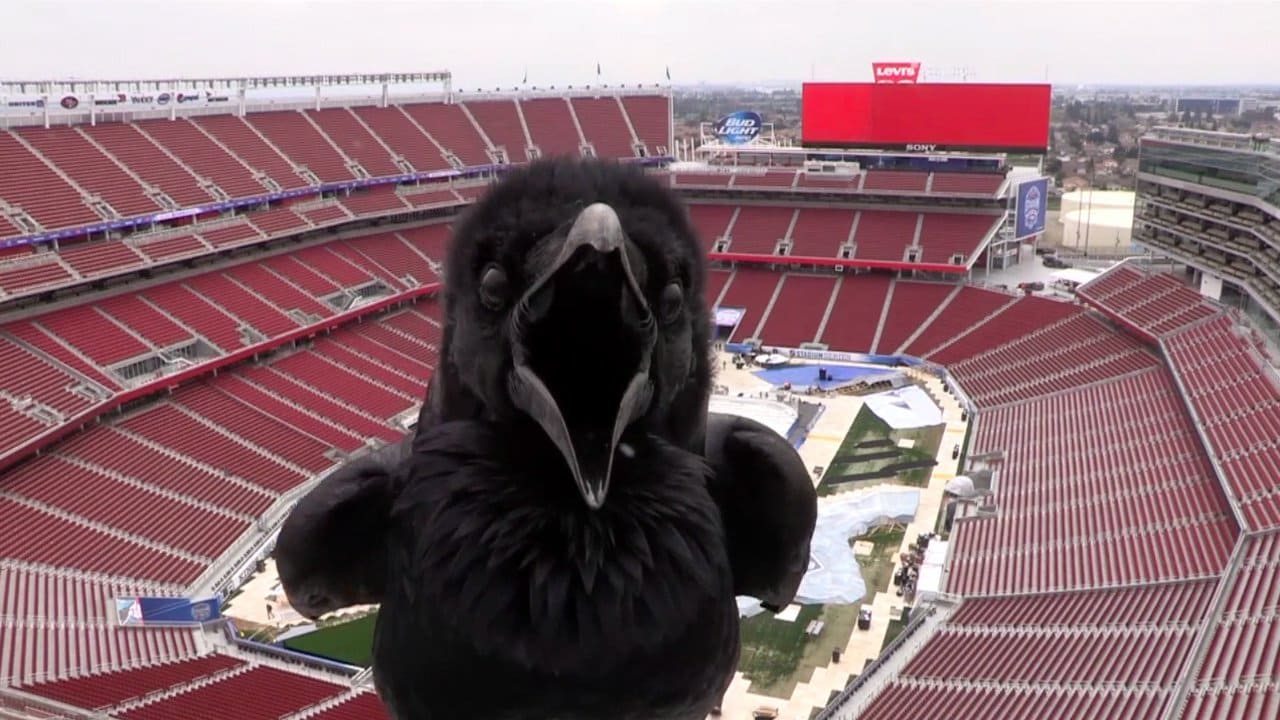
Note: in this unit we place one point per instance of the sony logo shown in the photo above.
(921, 148)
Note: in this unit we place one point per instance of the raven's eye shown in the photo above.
(672, 302)
(493, 288)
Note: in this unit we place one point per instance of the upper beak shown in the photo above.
(595, 245)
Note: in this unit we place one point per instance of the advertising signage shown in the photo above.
(1032, 208)
(927, 117)
(895, 72)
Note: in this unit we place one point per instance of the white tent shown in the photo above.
(929, 581)
(1075, 275)
(777, 416)
(905, 408)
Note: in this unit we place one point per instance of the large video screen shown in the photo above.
(925, 117)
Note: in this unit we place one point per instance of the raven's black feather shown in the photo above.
(632, 602)
(769, 506)
(505, 597)
(331, 550)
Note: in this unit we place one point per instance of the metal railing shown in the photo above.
(1213, 138)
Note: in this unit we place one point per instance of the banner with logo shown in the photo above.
(80, 103)
(185, 98)
(34, 102)
(728, 317)
(150, 611)
(1032, 208)
(738, 128)
(895, 72)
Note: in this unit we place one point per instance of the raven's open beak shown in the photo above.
(583, 335)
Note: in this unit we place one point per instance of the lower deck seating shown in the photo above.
(103, 691)
(797, 313)
(1155, 303)
(1238, 406)
(967, 309)
(1073, 502)
(365, 706)
(750, 290)
(856, 313)
(70, 630)
(46, 538)
(189, 474)
(262, 693)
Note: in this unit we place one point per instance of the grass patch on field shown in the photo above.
(776, 654)
(895, 629)
(348, 642)
(870, 455)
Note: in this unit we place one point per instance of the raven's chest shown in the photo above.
(563, 603)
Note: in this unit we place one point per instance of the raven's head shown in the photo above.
(574, 303)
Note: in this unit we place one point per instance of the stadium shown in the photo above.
(212, 292)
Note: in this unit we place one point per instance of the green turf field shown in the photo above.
(776, 655)
(349, 642)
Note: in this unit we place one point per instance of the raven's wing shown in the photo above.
(331, 552)
(769, 506)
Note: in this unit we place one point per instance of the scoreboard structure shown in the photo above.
(927, 117)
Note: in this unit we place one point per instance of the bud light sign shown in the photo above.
(738, 128)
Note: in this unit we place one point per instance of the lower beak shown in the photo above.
(590, 459)
(595, 241)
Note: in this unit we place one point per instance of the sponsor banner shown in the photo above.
(840, 357)
(729, 317)
(24, 102)
(739, 128)
(927, 117)
(81, 103)
(149, 611)
(1032, 208)
(184, 98)
(895, 72)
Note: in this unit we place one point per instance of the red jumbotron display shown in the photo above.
(925, 117)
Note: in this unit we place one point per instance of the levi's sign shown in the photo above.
(738, 128)
(895, 72)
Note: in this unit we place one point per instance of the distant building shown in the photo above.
(1210, 106)
(1211, 200)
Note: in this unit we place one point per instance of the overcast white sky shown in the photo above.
(488, 43)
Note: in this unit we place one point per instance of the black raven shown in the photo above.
(564, 535)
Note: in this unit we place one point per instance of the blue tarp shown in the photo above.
(834, 577)
(804, 375)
